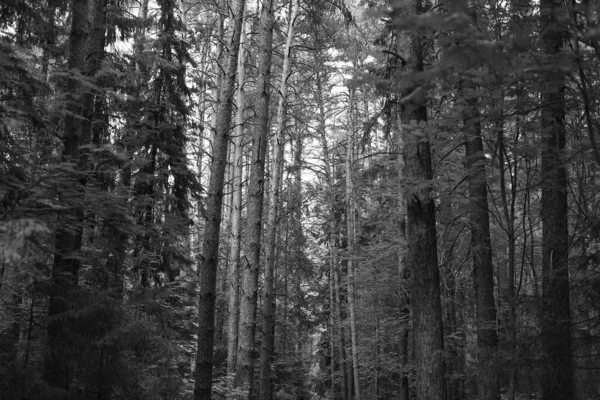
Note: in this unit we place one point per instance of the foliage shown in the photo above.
(136, 192)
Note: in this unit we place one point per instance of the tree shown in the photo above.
(267, 345)
(483, 269)
(350, 237)
(556, 336)
(233, 274)
(207, 269)
(431, 225)
(69, 232)
(420, 225)
(256, 189)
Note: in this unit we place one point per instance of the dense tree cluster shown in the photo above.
(299, 199)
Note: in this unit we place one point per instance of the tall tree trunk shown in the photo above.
(266, 390)
(251, 259)
(403, 271)
(220, 50)
(453, 346)
(68, 237)
(350, 231)
(222, 304)
(333, 229)
(332, 328)
(233, 273)
(344, 368)
(93, 124)
(285, 317)
(404, 390)
(377, 350)
(422, 257)
(405, 314)
(509, 217)
(220, 66)
(95, 129)
(207, 267)
(485, 305)
(557, 382)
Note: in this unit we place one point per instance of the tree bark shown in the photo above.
(403, 271)
(250, 260)
(68, 237)
(233, 273)
(332, 328)
(422, 261)
(421, 233)
(94, 126)
(266, 390)
(344, 367)
(557, 380)
(508, 207)
(209, 260)
(350, 232)
(485, 305)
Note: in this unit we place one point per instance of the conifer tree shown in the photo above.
(557, 380)
(207, 268)
(420, 225)
(256, 190)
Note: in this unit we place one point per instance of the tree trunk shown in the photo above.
(333, 231)
(220, 66)
(266, 391)
(233, 273)
(404, 390)
(94, 129)
(350, 231)
(251, 259)
(285, 318)
(332, 328)
(509, 214)
(422, 258)
(403, 271)
(220, 50)
(557, 381)
(485, 305)
(68, 237)
(209, 260)
(345, 375)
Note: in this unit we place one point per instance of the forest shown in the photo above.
(299, 199)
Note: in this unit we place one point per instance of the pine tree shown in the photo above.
(557, 380)
(207, 269)
(421, 229)
(69, 232)
(256, 190)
